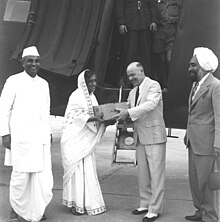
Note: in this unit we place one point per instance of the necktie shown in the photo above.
(194, 90)
(136, 96)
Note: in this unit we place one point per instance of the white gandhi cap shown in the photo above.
(30, 51)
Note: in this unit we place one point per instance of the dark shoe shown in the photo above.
(13, 220)
(74, 212)
(13, 216)
(193, 218)
(137, 212)
(150, 219)
(43, 217)
(164, 90)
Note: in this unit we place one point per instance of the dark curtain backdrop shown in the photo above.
(65, 32)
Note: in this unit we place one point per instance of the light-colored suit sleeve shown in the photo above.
(216, 109)
(151, 100)
(6, 105)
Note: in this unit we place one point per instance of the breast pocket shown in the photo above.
(203, 105)
(204, 99)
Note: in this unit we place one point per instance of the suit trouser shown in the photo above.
(151, 175)
(200, 167)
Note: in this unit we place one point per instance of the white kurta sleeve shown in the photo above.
(47, 111)
(6, 105)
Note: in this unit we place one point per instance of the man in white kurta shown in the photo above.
(25, 131)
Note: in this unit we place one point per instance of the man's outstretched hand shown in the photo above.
(122, 115)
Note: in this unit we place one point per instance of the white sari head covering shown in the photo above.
(83, 87)
(79, 136)
(206, 59)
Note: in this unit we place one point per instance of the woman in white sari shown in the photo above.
(81, 132)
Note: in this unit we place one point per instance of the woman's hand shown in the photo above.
(99, 119)
(95, 118)
(110, 122)
(122, 115)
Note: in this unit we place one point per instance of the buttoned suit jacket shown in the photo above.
(147, 115)
(127, 13)
(203, 127)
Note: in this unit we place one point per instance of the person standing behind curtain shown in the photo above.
(136, 18)
(81, 132)
(25, 131)
(168, 14)
(203, 130)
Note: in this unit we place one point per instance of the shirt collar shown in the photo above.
(29, 77)
(203, 79)
(142, 84)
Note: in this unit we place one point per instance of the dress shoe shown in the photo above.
(137, 211)
(193, 218)
(150, 219)
(43, 217)
(13, 220)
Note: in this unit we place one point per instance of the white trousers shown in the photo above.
(151, 175)
(30, 193)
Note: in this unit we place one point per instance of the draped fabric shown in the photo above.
(206, 59)
(78, 142)
(195, 15)
(30, 193)
(64, 31)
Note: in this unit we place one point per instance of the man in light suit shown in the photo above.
(203, 132)
(149, 138)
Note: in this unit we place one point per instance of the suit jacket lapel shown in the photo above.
(133, 94)
(203, 88)
(201, 91)
(190, 99)
(143, 90)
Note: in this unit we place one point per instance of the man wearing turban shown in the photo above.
(25, 131)
(203, 129)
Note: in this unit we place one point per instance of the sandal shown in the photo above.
(74, 212)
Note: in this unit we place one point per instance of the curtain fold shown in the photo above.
(63, 31)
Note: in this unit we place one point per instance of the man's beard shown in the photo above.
(193, 76)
